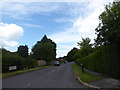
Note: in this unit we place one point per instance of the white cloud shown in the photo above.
(6, 43)
(82, 27)
(61, 20)
(89, 23)
(31, 25)
(9, 34)
(64, 48)
(45, 8)
(10, 31)
(65, 37)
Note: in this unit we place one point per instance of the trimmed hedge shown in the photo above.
(9, 59)
(105, 60)
(13, 59)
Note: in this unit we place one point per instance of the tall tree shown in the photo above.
(108, 31)
(44, 50)
(23, 51)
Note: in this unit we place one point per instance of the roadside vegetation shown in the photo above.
(105, 60)
(44, 50)
(104, 55)
(84, 76)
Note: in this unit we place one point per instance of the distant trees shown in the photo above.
(108, 31)
(70, 55)
(44, 50)
(23, 51)
(85, 49)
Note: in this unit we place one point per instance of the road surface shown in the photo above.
(54, 77)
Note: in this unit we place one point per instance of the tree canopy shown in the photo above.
(85, 43)
(23, 51)
(71, 53)
(44, 50)
(85, 48)
(108, 31)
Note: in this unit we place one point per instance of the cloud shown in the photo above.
(6, 43)
(83, 26)
(31, 25)
(26, 9)
(63, 52)
(61, 20)
(83, 16)
(9, 34)
(45, 8)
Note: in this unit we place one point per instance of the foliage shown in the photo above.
(108, 31)
(29, 63)
(13, 59)
(70, 55)
(23, 51)
(85, 48)
(82, 52)
(105, 60)
(10, 59)
(85, 43)
(44, 50)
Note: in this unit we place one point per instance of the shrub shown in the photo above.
(105, 60)
(9, 59)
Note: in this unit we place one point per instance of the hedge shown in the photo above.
(105, 60)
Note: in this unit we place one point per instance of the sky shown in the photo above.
(26, 22)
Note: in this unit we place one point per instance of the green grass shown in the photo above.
(86, 76)
(20, 71)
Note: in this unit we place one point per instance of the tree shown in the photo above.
(23, 51)
(85, 48)
(85, 43)
(70, 55)
(108, 31)
(44, 50)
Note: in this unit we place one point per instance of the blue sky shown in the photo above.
(25, 23)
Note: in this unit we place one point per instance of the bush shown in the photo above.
(13, 59)
(105, 60)
(9, 59)
(29, 63)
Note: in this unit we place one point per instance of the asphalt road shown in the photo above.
(54, 77)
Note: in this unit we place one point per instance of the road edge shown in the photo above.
(86, 84)
(23, 72)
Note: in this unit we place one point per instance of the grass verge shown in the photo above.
(86, 76)
(3, 75)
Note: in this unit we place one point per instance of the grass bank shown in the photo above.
(3, 75)
(86, 76)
